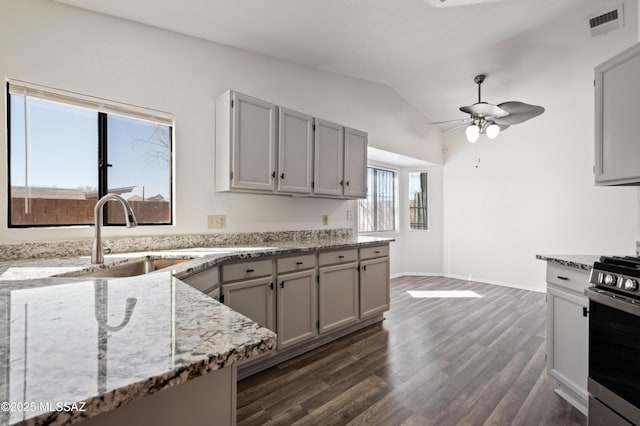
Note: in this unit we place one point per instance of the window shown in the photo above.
(67, 150)
(418, 216)
(378, 211)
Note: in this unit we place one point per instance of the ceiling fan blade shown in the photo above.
(464, 120)
(519, 112)
(484, 109)
(455, 129)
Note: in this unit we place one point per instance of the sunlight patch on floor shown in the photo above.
(435, 294)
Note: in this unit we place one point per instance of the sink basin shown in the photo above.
(131, 269)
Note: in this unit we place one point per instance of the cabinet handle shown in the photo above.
(560, 277)
(299, 263)
(342, 182)
(585, 311)
(347, 183)
(273, 174)
(282, 176)
(364, 267)
(271, 286)
(282, 284)
(341, 257)
(377, 252)
(250, 270)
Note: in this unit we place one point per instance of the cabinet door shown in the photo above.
(253, 143)
(295, 151)
(617, 125)
(337, 296)
(374, 286)
(297, 308)
(355, 163)
(568, 344)
(253, 299)
(328, 158)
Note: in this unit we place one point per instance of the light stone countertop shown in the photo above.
(577, 261)
(109, 341)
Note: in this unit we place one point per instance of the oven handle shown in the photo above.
(614, 300)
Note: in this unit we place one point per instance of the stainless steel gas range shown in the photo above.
(614, 341)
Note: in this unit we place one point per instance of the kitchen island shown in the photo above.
(104, 343)
(109, 342)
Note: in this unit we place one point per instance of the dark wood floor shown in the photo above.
(433, 361)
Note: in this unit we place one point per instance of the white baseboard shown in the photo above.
(494, 282)
(466, 278)
(417, 274)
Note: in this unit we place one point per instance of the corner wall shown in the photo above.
(533, 191)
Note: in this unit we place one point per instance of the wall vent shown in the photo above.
(605, 22)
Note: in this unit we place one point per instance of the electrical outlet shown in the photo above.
(325, 219)
(217, 221)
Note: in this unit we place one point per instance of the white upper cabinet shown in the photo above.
(295, 151)
(245, 143)
(264, 148)
(617, 90)
(328, 158)
(355, 163)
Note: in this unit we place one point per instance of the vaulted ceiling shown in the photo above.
(428, 51)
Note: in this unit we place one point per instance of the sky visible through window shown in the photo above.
(62, 150)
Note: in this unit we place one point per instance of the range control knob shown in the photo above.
(631, 285)
(610, 279)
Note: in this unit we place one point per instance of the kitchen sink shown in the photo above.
(131, 269)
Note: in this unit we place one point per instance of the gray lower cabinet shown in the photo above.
(297, 313)
(374, 286)
(308, 299)
(253, 299)
(568, 333)
(337, 296)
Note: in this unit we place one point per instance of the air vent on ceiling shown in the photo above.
(606, 21)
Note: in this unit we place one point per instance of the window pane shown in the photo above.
(378, 211)
(54, 165)
(385, 200)
(418, 201)
(140, 156)
(365, 207)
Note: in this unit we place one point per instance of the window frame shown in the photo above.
(396, 197)
(428, 207)
(110, 108)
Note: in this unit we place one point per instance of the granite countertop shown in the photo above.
(200, 258)
(109, 341)
(577, 261)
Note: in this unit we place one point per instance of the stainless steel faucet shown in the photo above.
(97, 252)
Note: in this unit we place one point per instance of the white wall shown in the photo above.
(422, 251)
(55, 45)
(533, 192)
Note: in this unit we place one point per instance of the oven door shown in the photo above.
(614, 352)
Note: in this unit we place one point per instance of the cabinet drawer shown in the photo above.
(372, 252)
(568, 278)
(338, 256)
(244, 270)
(205, 280)
(296, 263)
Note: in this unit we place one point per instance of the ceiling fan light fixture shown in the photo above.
(492, 130)
(473, 133)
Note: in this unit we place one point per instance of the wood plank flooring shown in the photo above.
(433, 361)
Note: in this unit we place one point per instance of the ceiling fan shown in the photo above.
(489, 119)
